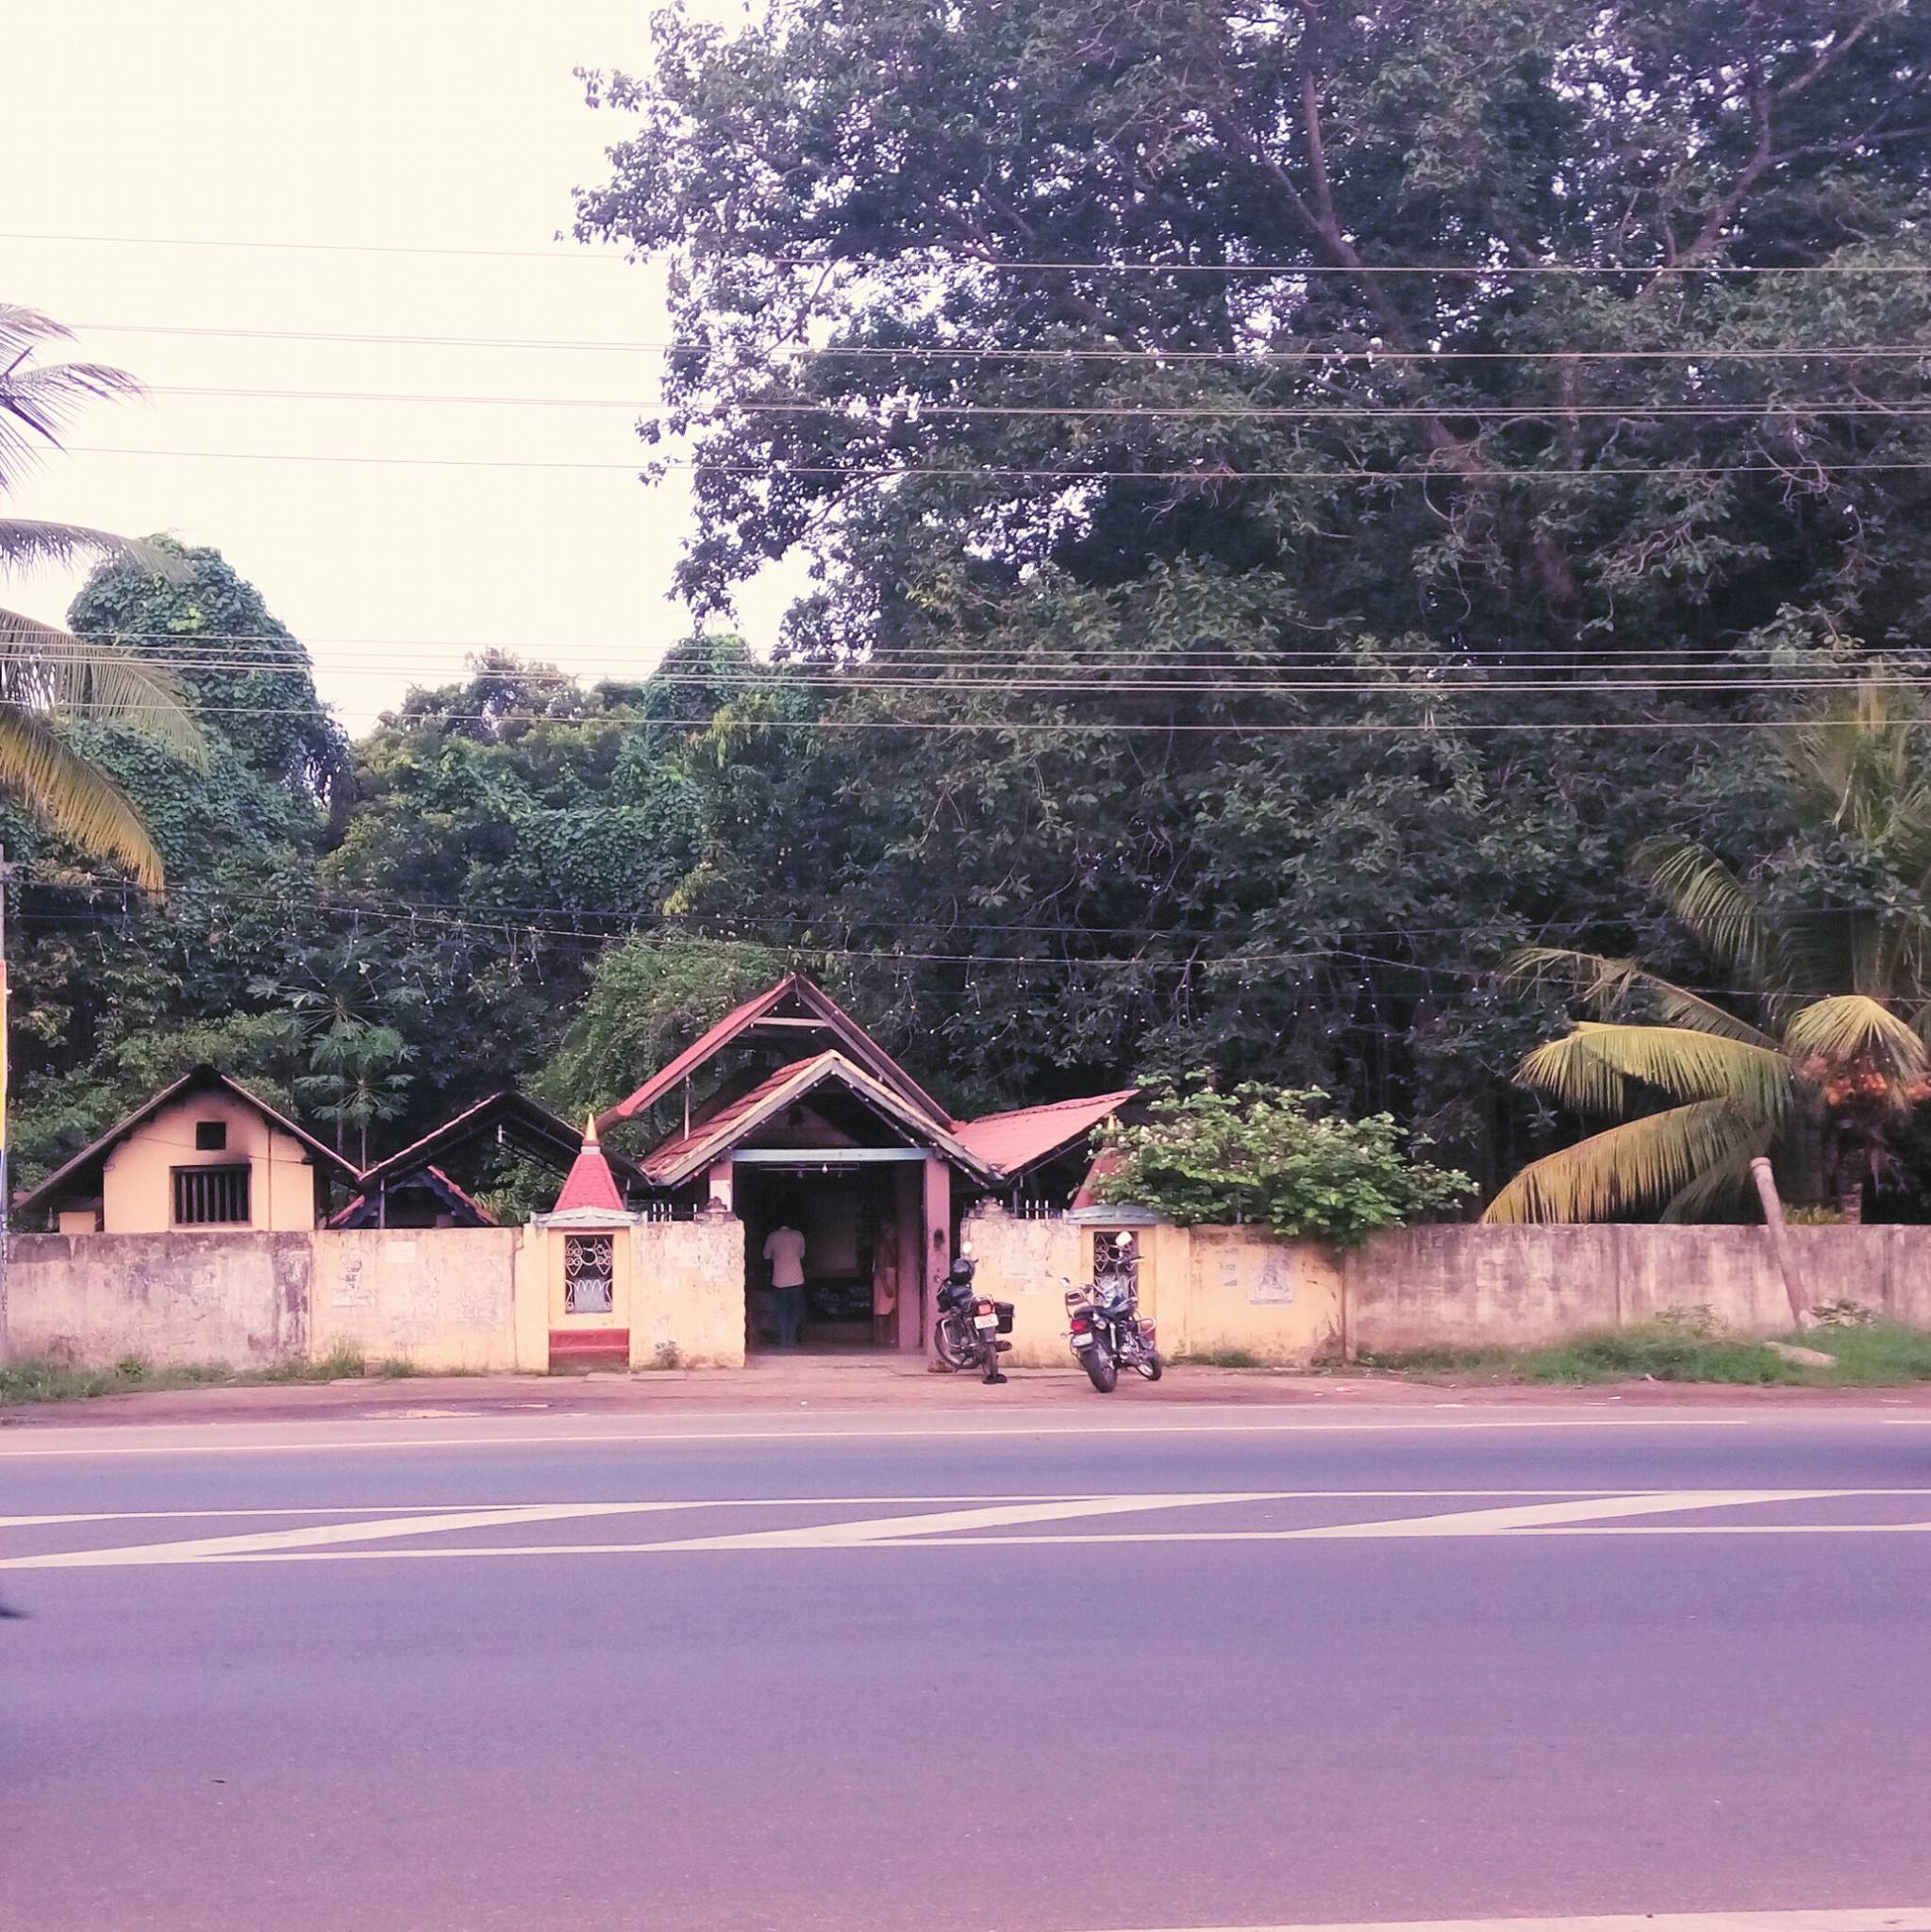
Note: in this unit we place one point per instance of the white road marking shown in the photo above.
(211, 1514)
(1533, 1515)
(679, 1502)
(963, 1522)
(40, 1447)
(1871, 1919)
(882, 1529)
(273, 1542)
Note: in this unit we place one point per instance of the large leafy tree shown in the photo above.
(48, 674)
(1223, 498)
(1813, 1050)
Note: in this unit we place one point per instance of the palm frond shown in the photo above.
(44, 668)
(1590, 1069)
(1707, 897)
(1608, 984)
(25, 542)
(1725, 1184)
(77, 798)
(37, 401)
(1850, 1029)
(1633, 1168)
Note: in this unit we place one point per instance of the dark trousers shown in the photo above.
(788, 1307)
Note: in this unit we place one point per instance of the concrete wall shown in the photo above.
(1209, 1290)
(1023, 1262)
(136, 1186)
(240, 1299)
(441, 1298)
(687, 1294)
(1426, 1287)
(482, 1298)
(1217, 1290)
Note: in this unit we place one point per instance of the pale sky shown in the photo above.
(403, 125)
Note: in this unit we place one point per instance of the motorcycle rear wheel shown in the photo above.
(945, 1345)
(1101, 1367)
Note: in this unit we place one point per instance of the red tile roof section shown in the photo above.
(672, 1162)
(1010, 1142)
(725, 1119)
(699, 1050)
(590, 1182)
(857, 1044)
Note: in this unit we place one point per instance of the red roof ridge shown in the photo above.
(1014, 1113)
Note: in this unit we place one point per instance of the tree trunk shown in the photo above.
(1850, 1198)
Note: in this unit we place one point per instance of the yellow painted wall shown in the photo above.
(439, 1298)
(137, 1187)
(1210, 1291)
(688, 1294)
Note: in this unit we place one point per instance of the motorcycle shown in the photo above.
(970, 1326)
(1105, 1325)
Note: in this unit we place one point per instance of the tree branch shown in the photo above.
(1836, 50)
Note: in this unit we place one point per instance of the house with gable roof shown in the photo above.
(788, 1111)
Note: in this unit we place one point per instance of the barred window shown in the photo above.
(589, 1267)
(210, 1196)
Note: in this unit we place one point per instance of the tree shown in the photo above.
(1273, 1155)
(213, 629)
(1204, 601)
(1830, 1063)
(114, 992)
(46, 673)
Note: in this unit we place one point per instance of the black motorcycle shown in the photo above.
(970, 1325)
(1106, 1327)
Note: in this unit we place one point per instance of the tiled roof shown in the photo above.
(436, 1181)
(1012, 1142)
(856, 1044)
(674, 1160)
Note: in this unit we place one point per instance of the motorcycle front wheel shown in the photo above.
(1101, 1367)
(1150, 1366)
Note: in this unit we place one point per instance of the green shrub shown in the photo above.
(1274, 1157)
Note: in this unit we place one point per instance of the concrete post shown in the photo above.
(938, 1241)
(1780, 1239)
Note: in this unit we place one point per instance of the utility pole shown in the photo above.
(6, 1180)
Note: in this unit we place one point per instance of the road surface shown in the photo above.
(1062, 1672)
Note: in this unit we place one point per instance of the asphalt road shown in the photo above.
(1229, 1669)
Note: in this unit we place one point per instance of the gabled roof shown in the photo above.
(521, 1121)
(202, 1079)
(821, 1013)
(676, 1159)
(1027, 1135)
(366, 1209)
(590, 1182)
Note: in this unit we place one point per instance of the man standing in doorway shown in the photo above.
(783, 1248)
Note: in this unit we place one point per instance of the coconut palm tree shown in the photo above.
(1816, 1052)
(46, 673)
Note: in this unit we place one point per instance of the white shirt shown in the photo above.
(783, 1248)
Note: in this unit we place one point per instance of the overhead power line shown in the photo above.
(1798, 471)
(576, 645)
(973, 259)
(963, 351)
(1077, 727)
(1324, 412)
(914, 674)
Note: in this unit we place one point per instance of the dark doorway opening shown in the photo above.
(861, 1249)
